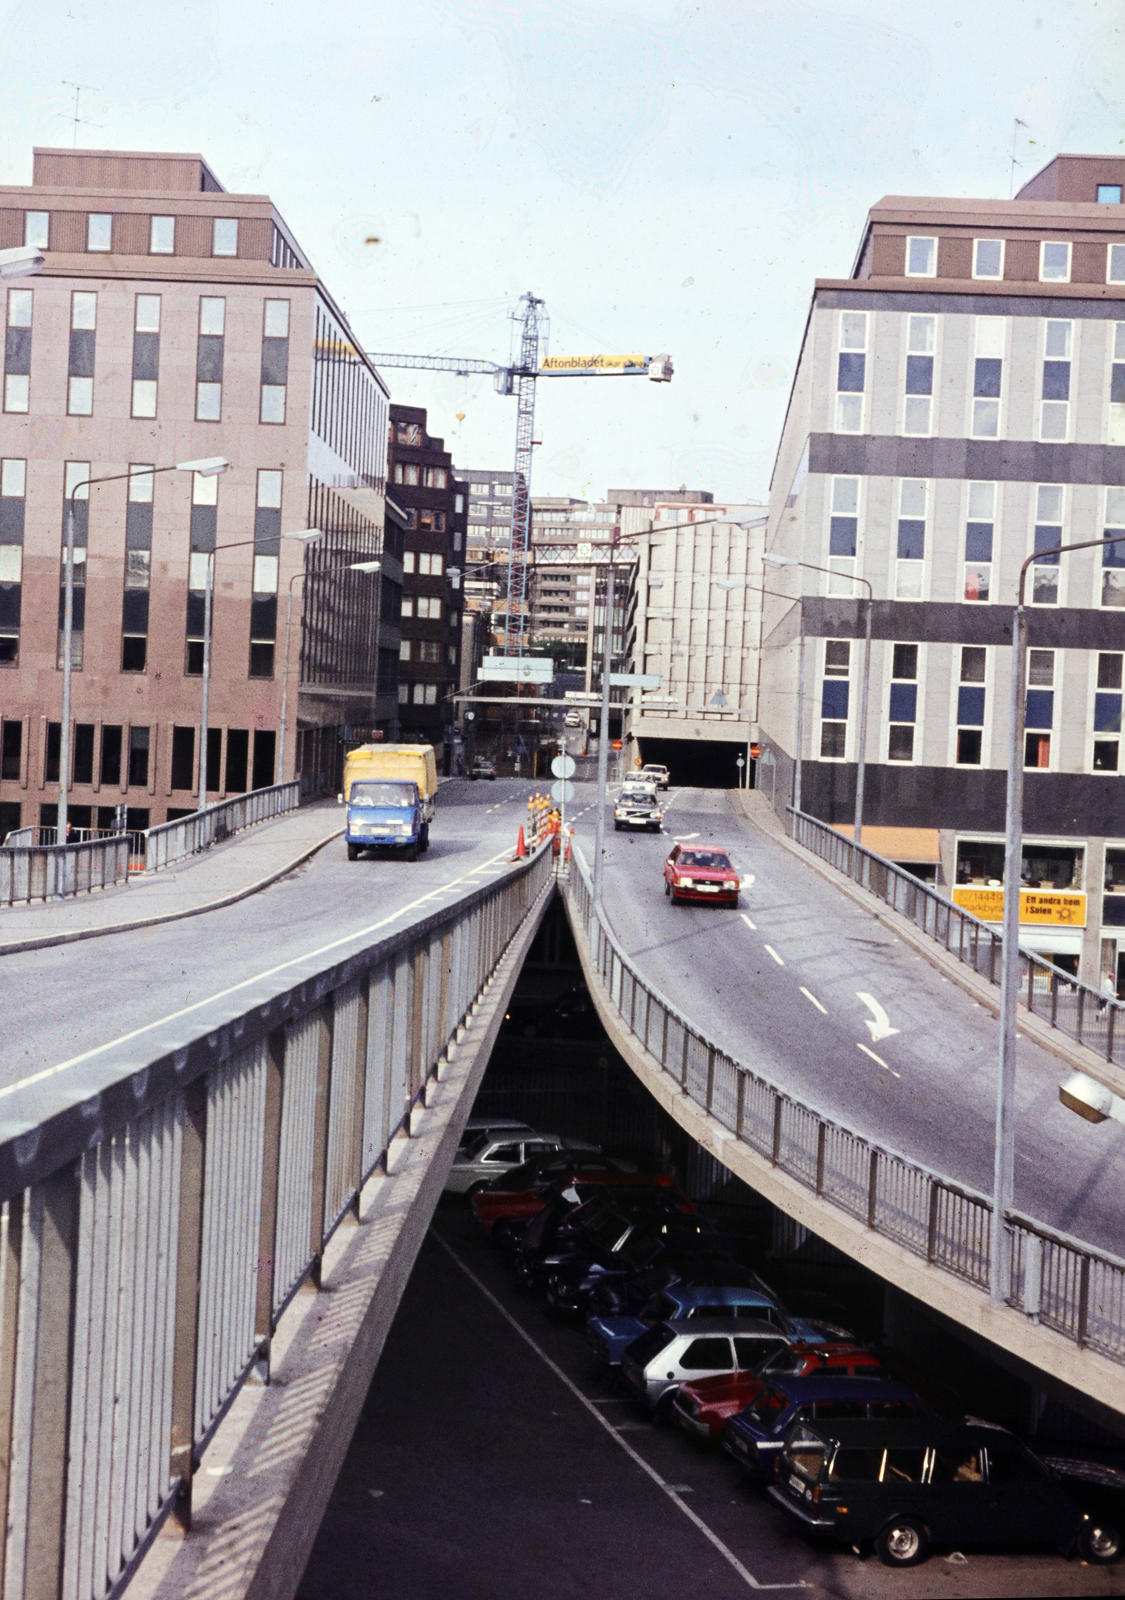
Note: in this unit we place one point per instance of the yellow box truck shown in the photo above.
(390, 792)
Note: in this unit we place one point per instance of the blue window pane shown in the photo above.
(1109, 194)
(904, 702)
(851, 373)
(1113, 555)
(970, 707)
(978, 541)
(1117, 383)
(1107, 713)
(919, 374)
(911, 540)
(1040, 708)
(1046, 538)
(1056, 380)
(841, 537)
(986, 379)
(834, 699)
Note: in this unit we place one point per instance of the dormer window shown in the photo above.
(1109, 194)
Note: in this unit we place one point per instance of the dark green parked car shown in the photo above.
(926, 1481)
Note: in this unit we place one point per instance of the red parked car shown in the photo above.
(701, 1408)
(508, 1199)
(701, 872)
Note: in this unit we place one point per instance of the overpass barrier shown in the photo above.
(1055, 1279)
(52, 871)
(1083, 1013)
(172, 841)
(165, 1197)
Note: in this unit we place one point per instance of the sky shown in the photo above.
(667, 177)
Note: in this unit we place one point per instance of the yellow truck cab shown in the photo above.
(390, 792)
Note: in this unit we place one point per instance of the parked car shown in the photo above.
(567, 1213)
(914, 1482)
(525, 1190)
(637, 810)
(653, 1231)
(595, 1231)
(497, 1125)
(571, 1016)
(714, 1258)
(696, 872)
(672, 1353)
(702, 1408)
(755, 1437)
(482, 769)
(654, 770)
(573, 719)
(490, 1154)
(609, 1337)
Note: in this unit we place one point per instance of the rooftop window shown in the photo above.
(1109, 194)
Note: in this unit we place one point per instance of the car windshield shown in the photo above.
(403, 795)
(641, 798)
(650, 1344)
(716, 860)
(766, 1408)
(806, 1451)
(607, 1230)
(781, 1362)
(474, 1145)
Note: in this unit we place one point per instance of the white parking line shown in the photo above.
(747, 921)
(671, 1490)
(775, 955)
(879, 1060)
(814, 1000)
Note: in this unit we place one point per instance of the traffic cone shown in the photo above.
(521, 847)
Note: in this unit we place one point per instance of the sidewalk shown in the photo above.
(226, 872)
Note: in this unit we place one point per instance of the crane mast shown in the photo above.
(532, 317)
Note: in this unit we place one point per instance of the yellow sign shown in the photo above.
(1046, 906)
(579, 363)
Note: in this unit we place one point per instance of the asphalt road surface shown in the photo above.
(816, 994)
(491, 1462)
(61, 1002)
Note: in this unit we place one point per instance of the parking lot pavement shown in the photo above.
(491, 1461)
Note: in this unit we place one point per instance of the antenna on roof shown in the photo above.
(1016, 126)
(75, 118)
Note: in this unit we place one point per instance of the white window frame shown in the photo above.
(849, 679)
(1105, 522)
(1068, 246)
(1056, 438)
(844, 397)
(989, 277)
(918, 702)
(983, 330)
(920, 238)
(966, 518)
(1109, 256)
(910, 562)
(1094, 736)
(839, 579)
(1062, 569)
(986, 730)
(908, 399)
(1056, 690)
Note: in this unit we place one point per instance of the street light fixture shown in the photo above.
(22, 261)
(208, 467)
(347, 566)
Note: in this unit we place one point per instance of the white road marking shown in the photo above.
(878, 1060)
(270, 972)
(814, 1000)
(591, 1407)
(880, 1028)
(775, 955)
(747, 921)
(747, 880)
(682, 838)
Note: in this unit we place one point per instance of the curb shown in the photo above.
(1070, 1053)
(46, 941)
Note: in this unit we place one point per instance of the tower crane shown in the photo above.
(519, 377)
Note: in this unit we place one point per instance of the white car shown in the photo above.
(573, 719)
(494, 1152)
(656, 774)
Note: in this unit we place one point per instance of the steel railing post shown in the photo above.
(267, 1221)
(359, 1087)
(1083, 1302)
(684, 1062)
(710, 1076)
(872, 1188)
(417, 1068)
(9, 1324)
(775, 1152)
(821, 1135)
(443, 994)
(321, 1110)
(1112, 1012)
(189, 1260)
(740, 1106)
(1032, 1275)
(931, 1232)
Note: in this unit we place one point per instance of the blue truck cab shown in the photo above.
(389, 793)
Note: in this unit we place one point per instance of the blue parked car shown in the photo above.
(757, 1434)
(609, 1336)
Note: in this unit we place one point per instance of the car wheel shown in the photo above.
(411, 852)
(667, 887)
(353, 852)
(617, 827)
(1099, 1542)
(902, 1543)
(663, 1409)
(476, 1188)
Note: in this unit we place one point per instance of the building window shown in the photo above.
(83, 323)
(13, 489)
(17, 351)
(408, 561)
(275, 360)
(1117, 386)
(99, 231)
(1054, 261)
(843, 535)
(1115, 264)
(851, 371)
(408, 473)
(410, 433)
(267, 552)
(979, 531)
(36, 229)
(209, 359)
(407, 605)
(1048, 533)
(204, 521)
(921, 257)
(138, 758)
(404, 650)
(970, 706)
(988, 371)
(76, 482)
(429, 565)
(427, 606)
(1109, 194)
(434, 478)
(480, 488)
(1040, 708)
(224, 237)
(162, 236)
(146, 354)
(1107, 713)
(918, 409)
(834, 699)
(1113, 555)
(403, 693)
(1054, 414)
(910, 567)
(138, 570)
(903, 713)
(988, 258)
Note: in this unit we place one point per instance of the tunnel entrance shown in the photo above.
(700, 763)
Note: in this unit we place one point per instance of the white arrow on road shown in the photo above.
(881, 1026)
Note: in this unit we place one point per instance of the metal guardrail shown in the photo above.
(1056, 1279)
(163, 1202)
(44, 872)
(1083, 1013)
(172, 841)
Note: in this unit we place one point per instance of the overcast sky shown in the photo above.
(667, 177)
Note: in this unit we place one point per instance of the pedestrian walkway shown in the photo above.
(226, 872)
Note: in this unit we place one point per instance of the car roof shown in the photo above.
(715, 1296)
(840, 1386)
(696, 1327)
(867, 1432)
(497, 1125)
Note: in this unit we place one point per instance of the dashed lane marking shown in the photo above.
(747, 921)
(775, 955)
(878, 1060)
(672, 1490)
(815, 1001)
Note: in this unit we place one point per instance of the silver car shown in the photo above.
(656, 1363)
(492, 1153)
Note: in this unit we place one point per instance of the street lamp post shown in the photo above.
(772, 559)
(210, 467)
(1004, 1154)
(347, 566)
(603, 733)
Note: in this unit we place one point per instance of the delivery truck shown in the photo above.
(390, 792)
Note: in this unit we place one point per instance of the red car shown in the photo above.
(701, 1408)
(507, 1199)
(701, 872)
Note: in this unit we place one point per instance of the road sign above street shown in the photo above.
(564, 766)
(562, 791)
(517, 669)
(635, 680)
(579, 697)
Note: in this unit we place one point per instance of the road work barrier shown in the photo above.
(165, 1197)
